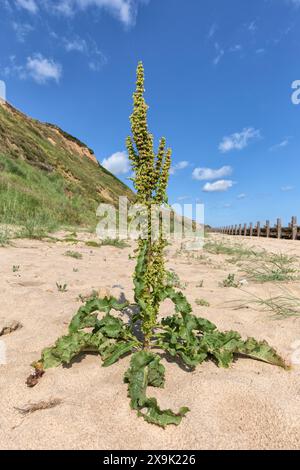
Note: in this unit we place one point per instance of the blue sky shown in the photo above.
(219, 77)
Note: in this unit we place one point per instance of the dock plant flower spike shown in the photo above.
(182, 335)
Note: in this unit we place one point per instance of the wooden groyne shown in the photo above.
(291, 232)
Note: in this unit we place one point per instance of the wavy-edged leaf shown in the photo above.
(262, 350)
(65, 349)
(181, 304)
(156, 373)
(194, 339)
(116, 351)
(84, 318)
(162, 418)
(145, 370)
(110, 326)
(68, 347)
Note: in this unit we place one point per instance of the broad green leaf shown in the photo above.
(84, 318)
(110, 326)
(138, 378)
(262, 351)
(162, 418)
(65, 349)
(116, 351)
(156, 373)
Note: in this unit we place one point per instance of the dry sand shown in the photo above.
(250, 406)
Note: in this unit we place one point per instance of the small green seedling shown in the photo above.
(230, 281)
(15, 268)
(200, 284)
(61, 287)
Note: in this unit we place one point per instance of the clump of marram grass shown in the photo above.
(182, 335)
(69, 239)
(4, 236)
(272, 268)
(202, 303)
(236, 250)
(93, 244)
(73, 254)
(284, 305)
(32, 230)
(114, 242)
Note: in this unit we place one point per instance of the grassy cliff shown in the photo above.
(49, 178)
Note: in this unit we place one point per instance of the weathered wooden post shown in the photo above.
(267, 228)
(279, 228)
(258, 229)
(235, 230)
(251, 229)
(240, 229)
(245, 230)
(294, 228)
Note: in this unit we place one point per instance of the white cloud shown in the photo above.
(295, 2)
(96, 58)
(42, 69)
(201, 174)
(118, 163)
(29, 5)
(212, 31)
(281, 145)
(236, 48)
(287, 188)
(220, 53)
(37, 67)
(179, 166)
(124, 10)
(21, 30)
(242, 196)
(218, 186)
(252, 27)
(76, 44)
(239, 140)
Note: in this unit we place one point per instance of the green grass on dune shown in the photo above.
(48, 179)
(32, 198)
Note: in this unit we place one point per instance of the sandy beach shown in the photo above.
(250, 406)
